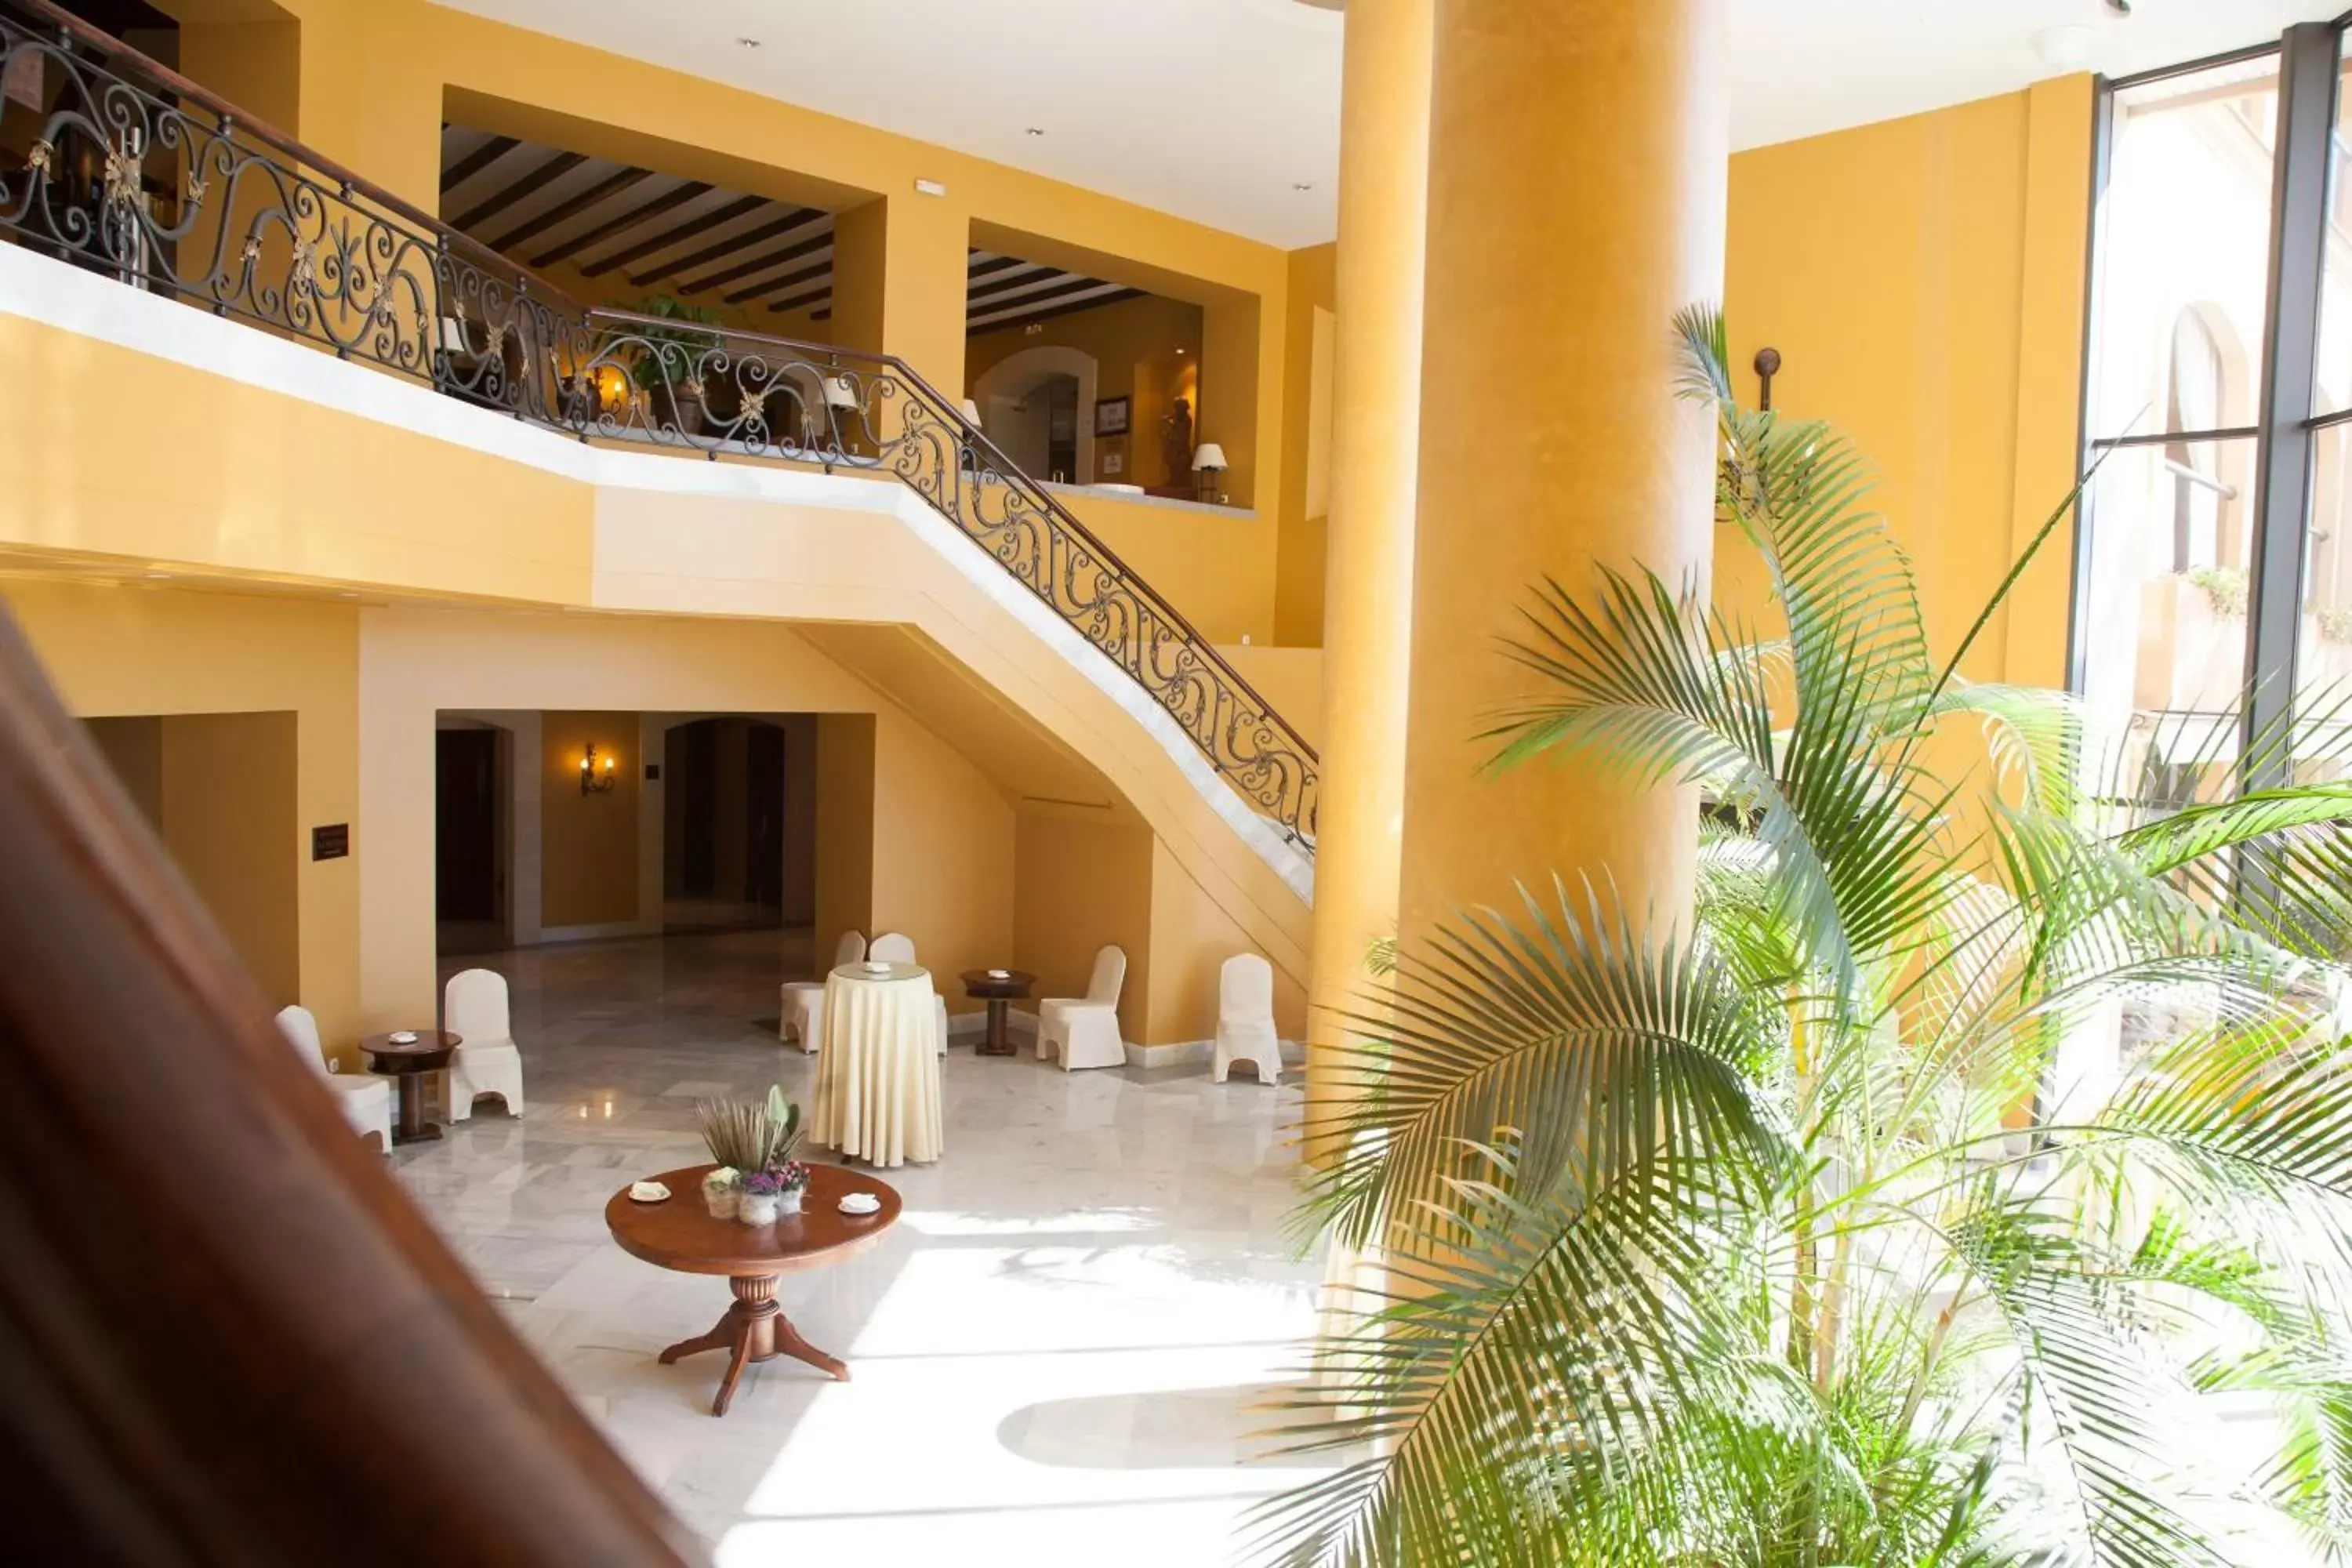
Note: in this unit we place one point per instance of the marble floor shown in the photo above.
(1056, 1357)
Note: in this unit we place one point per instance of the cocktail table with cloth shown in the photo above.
(800, 1014)
(877, 1082)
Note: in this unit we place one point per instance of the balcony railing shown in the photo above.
(136, 171)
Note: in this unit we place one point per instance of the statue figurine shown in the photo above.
(1176, 441)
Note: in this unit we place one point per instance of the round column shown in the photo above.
(1577, 177)
(1376, 413)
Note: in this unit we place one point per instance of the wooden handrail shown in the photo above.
(226, 1334)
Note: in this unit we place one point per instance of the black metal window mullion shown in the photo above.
(2306, 120)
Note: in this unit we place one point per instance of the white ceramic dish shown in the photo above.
(403, 1037)
(1000, 974)
(860, 1203)
(648, 1192)
(874, 968)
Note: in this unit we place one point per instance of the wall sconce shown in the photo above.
(1208, 469)
(597, 776)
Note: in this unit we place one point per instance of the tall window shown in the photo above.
(2213, 587)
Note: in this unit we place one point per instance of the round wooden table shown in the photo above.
(679, 1232)
(406, 1062)
(1000, 990)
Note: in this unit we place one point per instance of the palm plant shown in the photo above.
(1799, 1233)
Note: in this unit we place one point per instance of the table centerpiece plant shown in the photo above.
(721, 1189)
(753, 1143)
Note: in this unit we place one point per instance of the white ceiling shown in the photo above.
(1219, 108)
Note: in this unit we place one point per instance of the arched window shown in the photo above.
(2192, 402)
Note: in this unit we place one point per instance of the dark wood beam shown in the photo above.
(678, 236)
(475, 161)
(767, 263)
(982, 268)
(811, 298)
(790, 281)
(622, 225)
(573, 206)
(797, 218)
(824, 315)
(538, 179)
(1026, 318)
(1023, 294)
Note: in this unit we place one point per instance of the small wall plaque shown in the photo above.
(653, 773)
(332, 842)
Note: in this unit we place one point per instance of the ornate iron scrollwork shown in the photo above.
(184, 196)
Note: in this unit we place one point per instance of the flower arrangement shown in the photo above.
(757, 1180)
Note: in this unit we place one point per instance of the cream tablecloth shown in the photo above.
(877, 1078)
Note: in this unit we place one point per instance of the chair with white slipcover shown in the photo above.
(1085, 1029)
(474, 1008)
(1245, 1017)
(891, 947)
(802, 1017)
(366, 1101)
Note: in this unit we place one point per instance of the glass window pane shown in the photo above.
(2323, 661)
(2164, 603)
(2333, 392)
(2184, 252)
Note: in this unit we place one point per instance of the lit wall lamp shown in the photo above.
(1208, 473)
(596, 773)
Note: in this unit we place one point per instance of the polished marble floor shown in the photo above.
(1056, 1357)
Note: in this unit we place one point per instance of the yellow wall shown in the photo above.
(230, 475)
(1085, 882)
(1306, 438)
(148, 649)
(588, 843)
(845, 828)
(1922, 279)
(218, 790)
(942, 853)
(1191, 939)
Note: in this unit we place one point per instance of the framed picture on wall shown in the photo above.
(1111, 414)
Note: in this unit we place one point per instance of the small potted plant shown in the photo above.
(721, 1189)
(792, 1179)
(762, 1198)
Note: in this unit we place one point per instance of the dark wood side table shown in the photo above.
(406, 1062)
(1000, 990)
(679, 1232)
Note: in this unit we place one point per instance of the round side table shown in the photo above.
(406, 1062)
(679, 1232)
(1000, 988)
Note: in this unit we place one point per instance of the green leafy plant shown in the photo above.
(2225, 589)
(751, 1136)
(1918, 1199)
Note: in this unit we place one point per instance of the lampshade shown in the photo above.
(840, 391)
(1208, 459)
(971, 411)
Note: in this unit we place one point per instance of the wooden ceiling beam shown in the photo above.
(623, 224)
(538, 180)
(1020, 296)
(790, 281)
(1121, 297)
(475, 161)
(688, 230)
(573, 206)
(798, 218)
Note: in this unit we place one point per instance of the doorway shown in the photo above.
(468, 849)
(723, 825)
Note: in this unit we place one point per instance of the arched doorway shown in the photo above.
(1037, 406)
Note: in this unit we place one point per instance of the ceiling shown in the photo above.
(1219, 110)
(635, 231)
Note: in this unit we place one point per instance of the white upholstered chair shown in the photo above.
(366, 1100)
(1245, 1017)
(1084, 1030)
(892, 947)
(474, 1008)
(802, 1017)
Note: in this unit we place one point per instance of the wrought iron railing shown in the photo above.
(138, 173)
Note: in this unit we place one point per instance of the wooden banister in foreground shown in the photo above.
(226, 1334)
